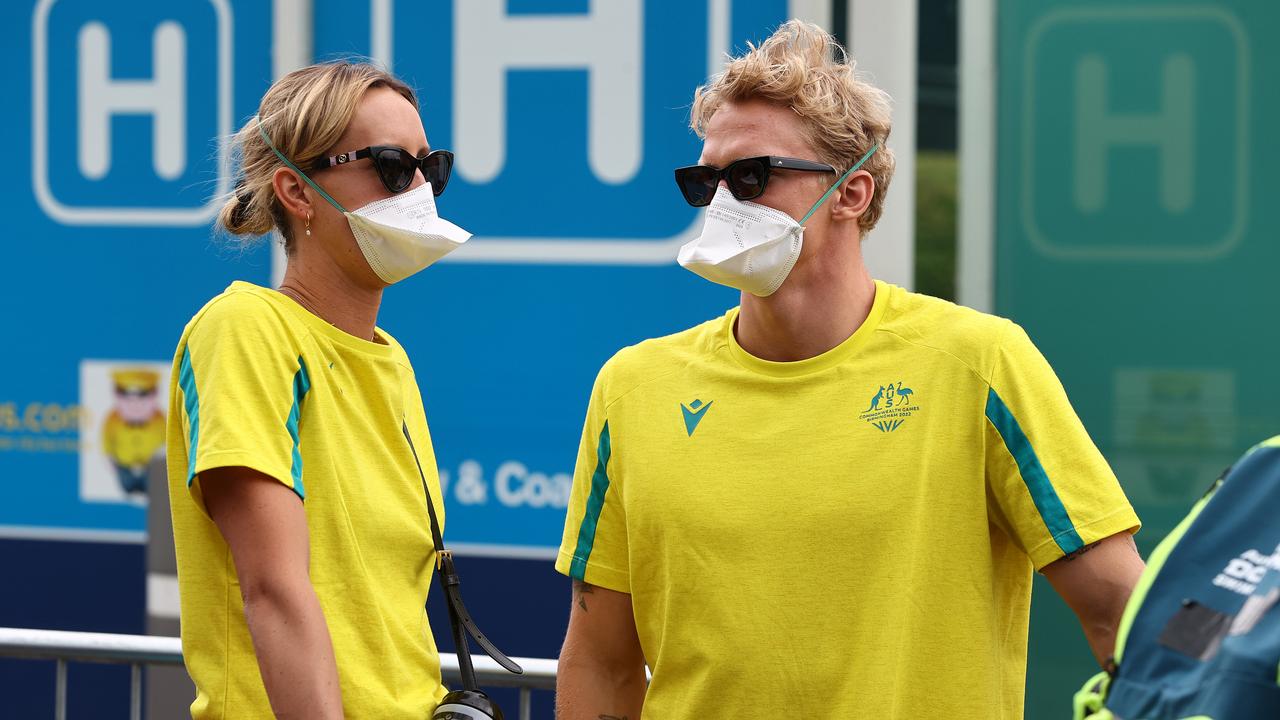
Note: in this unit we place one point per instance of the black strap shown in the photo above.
(459, 618)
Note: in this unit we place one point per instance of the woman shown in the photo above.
(300, 518)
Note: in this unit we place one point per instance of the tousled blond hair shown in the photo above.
(304, 113)
(802, 67)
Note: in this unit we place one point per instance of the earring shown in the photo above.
(308, 224)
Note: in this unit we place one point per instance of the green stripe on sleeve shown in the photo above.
(190, 401)
(301, 384)
(595, 503)
(1046, 499)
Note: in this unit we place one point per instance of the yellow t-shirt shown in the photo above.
(848, 536)
(259, 382)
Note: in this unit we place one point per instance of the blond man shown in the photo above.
(829, 502)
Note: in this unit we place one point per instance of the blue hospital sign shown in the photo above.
(568, 118)
(129, 103)
(109, 250)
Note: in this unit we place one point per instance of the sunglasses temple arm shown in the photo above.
(263, 131)
(839, 182)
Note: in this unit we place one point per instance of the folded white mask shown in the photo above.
(749, 246)
(402, 234)
(744, 245)
(398, 235)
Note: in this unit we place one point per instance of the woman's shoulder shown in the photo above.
(243, 308)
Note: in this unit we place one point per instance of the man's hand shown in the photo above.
(1096, 582)
(601, 674)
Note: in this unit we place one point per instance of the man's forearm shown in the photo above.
(295, 653)
(1096, 581)
(586, 691)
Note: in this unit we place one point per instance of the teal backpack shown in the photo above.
(1200, 637)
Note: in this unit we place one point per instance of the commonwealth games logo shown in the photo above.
(891, 406)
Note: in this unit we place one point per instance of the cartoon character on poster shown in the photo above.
(134, 431)
(122, 435)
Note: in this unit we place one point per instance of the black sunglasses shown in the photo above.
(396, 166)
(746, 178)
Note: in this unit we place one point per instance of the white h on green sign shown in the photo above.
(1135, 132)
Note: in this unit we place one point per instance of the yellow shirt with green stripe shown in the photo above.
(848, 536)
(259, 382)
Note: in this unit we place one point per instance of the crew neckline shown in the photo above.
(836, 355)
(318, 324)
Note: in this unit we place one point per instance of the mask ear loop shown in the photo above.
(839, 182)
(263, 132)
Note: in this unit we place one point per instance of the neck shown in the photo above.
(322, 288)
(823, 301)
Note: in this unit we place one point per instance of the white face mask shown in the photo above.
(744, 245)
(398, 235)
(749, 246)
(402, 234)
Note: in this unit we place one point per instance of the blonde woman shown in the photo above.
(296, 425)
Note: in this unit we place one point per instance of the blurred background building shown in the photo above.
(1091, 169)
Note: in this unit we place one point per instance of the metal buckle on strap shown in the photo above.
(441, 556)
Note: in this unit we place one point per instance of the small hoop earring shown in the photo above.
(308, 224)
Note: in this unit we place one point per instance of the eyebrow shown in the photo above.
(422, 149)
(701, 161)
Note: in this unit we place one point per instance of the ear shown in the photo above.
(854, 197)
(293, 193)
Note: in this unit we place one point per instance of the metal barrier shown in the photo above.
(139, 650)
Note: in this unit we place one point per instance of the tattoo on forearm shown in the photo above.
(580, 592)
(1077, 553)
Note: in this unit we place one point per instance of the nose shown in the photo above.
(418, 179)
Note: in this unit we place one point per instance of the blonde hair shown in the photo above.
(304, 113)
(802, 67)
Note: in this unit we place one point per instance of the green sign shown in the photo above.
(1135, 243)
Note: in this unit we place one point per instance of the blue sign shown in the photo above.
(109, 250)
(567, 117)
(127, 112)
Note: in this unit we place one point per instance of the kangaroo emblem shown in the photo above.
(905, 393)
(875, 401)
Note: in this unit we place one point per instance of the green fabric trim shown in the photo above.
(191, 402)
(301, 385)
(595, 503)
(1043, 495)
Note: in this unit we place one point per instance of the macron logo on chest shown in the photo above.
(693, 414)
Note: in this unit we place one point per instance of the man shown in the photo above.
(829, 502)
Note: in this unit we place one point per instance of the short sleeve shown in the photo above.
(241, 382)
(594, 548)
(1049, 484)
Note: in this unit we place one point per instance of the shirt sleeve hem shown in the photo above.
(1124, 519)
(595, 574)
(236, 458)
